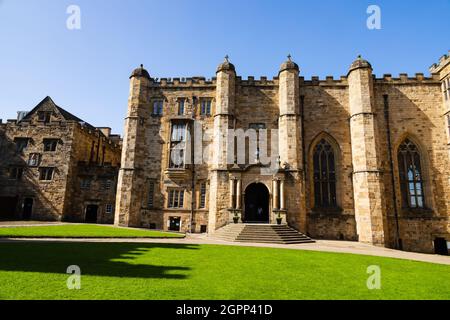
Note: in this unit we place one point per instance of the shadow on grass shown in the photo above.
(96, 259)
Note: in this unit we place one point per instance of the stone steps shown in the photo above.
(261, 233)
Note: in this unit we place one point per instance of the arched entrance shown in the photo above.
(256, 203)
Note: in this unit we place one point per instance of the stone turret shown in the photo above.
(367, 177)
(130, 181)
(289, 125)
(223, 117)
(290, 137)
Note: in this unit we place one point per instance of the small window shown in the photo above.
(257, 126)
(151, 194)
(157, 107)
(21, 144)
(33, 159)
(50, 145)
(181, 103)
(448, 123)
(206, 107)
(44, 116)
(176, 199)
(16, 173)
(46, 174)
(106, 184)
(85, 183)
(202, 195)
(109, 208)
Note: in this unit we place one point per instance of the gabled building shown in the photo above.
(55, 166)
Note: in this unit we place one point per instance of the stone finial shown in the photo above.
(289, 65)
(226, 65)
(140, 72)
(359, 63)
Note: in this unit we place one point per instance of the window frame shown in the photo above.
(46, 169)
(411, 150)
(158, 107)
(178, 143)
(16, 173)
(206, 107)
(328, 179)
(110, 207)
(21, 144)
(151, 194)
(53, 143)
(175, 198)
(181, 106)
(202, 198)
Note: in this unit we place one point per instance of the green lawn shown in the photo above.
(171, 271)
(82, 231)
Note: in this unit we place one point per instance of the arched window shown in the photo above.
(410, 171)
(324, 175)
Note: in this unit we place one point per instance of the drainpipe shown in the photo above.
(398, 242)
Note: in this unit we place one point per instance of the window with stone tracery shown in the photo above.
(411, 178)
(178, 145)
(324, 175)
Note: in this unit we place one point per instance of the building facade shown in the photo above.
(55, 166)
(360, 158)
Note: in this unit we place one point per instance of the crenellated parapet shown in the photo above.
(444, 61)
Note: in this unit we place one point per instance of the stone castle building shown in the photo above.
(361, 158)
(55, 166)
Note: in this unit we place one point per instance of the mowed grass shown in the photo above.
(82, 231)
(37, 270)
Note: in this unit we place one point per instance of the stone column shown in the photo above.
(238, 194)
(232, 193)
(275, 195)
(282, 203)
(368, 185)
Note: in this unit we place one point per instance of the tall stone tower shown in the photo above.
(223, 117)
(131, 181)
(367, 177)
(290, 137)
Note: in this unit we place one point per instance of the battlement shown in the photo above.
(403, 78)
(185, 82)
(443, 61)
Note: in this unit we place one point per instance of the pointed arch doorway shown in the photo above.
(256, 204)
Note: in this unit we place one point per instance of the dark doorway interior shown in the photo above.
(440, 246)
(256, 203)
(175, 223)
(91, 213)
(8, 207)
(27, 209)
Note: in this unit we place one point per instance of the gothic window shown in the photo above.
(177, 145)
(410, 170)
(324, 175)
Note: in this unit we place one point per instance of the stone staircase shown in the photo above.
(261, 233)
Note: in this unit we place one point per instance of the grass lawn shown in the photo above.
(81, 231)
(172, 271)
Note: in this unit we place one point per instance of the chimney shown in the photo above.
(105, 130)
(21, 115)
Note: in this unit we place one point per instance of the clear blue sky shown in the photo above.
(86, 71)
